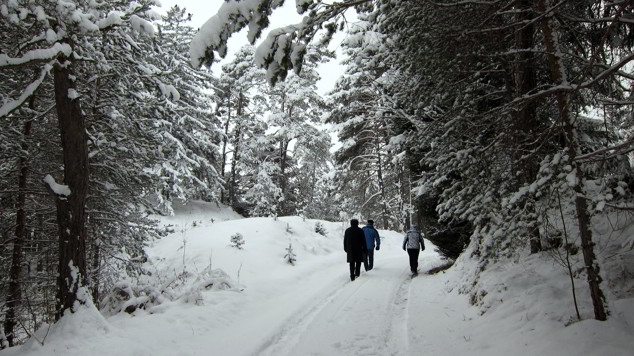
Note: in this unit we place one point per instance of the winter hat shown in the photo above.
(370, 222)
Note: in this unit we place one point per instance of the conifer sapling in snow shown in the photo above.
(320, 229)
(290, 255)
(237, 241)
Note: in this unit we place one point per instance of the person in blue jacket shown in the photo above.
(372, 240)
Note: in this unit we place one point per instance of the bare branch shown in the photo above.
(608, 152)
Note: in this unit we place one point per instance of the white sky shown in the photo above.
(202, 10)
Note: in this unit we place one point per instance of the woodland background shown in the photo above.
(501, 124)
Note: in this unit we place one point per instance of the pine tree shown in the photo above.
(295, 105)
(241, 108)
(369, 159)
(314, 162)
(237, 241)
(290, 255)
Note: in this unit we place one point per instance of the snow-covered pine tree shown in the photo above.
(370, 163)
(25, 212)
(121, 146)
(264, 195)
(116, 88)
(237, 241)
(295, 106)
(314, 162)
(51, 40)
(241, 109)
(290, 256)
(488, 133)
(320, 229)
(191, 131)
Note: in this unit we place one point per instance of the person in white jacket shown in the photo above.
(413, 244)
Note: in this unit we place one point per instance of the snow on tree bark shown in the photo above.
(71, 213)
(558, 75)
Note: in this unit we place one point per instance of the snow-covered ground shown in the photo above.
(268, 307)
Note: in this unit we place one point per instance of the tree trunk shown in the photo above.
(525, 120)
(71, 209)
(234, 166)
(95, 272)
(225, 143)
(282, 207)
(379, 172)
(15, 289)
(558, 74)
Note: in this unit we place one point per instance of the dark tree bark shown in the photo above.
(384, 210)
(95, 271)
(71, 216)
(15, 288)
(223, 165)
(282, 208)
(557, 72)
(234, 165)
(526, 120)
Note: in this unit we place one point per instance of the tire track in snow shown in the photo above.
(396, 336)
(283, 341)
(366, 317)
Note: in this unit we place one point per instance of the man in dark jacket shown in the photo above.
(372, 240)
(354, 245)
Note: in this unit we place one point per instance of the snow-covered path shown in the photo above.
(364, 317)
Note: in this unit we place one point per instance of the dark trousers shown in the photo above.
(413, 258)
(368, 259)
(355, 269)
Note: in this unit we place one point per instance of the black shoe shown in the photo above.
(358, 274)
(352, 277)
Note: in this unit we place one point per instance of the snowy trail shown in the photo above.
(312, 308)
(367, 316)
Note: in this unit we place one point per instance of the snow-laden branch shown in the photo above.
(283, 49)
(463, 3)
(232, 17)
(11, 106)
(570, 87)
(608, 152)
(36, 55)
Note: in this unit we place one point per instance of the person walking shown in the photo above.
(413, 243)
(355, 248)
(372, 240)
